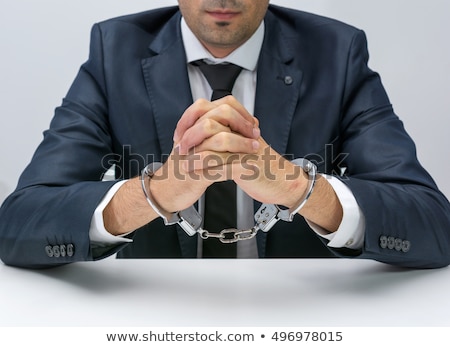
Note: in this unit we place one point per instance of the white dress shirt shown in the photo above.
(350, 233)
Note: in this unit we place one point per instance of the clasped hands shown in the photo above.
(220, 140)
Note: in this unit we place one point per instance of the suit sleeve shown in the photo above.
(45, 221)
(407, 217)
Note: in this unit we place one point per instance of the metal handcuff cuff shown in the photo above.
(265, 218)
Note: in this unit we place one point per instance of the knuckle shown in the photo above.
(209, 125)
(229, 98)
(201, 102)
(245, 145)
(225, 108)
(223, 139)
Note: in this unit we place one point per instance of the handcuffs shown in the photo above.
(265, 218)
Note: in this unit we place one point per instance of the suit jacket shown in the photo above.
(315, 98)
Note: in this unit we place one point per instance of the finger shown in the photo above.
(211, 166)
(243, 122)
(190, 117)
(223, 118)
(229, 142)
(236, 118)
(232, 101)
(199, 132)
(208, 160)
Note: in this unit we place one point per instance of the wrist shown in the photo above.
(297, 190)
(159, 192)
(302, 184)
(149, 183)
(127, 210)
(188, 219)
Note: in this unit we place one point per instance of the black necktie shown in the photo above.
(220, 197)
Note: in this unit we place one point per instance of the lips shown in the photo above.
(223, 15)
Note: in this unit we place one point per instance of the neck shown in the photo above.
(219, 51)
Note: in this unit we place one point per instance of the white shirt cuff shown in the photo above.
(350, 233)
(97, 232)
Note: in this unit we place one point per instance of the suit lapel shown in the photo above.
(277, 93)
(167, 81)
(168, 88)
(278, 86)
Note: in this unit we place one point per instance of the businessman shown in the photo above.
(304, 127)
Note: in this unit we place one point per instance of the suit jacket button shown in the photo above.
(70, 250)
(383, 242)
(406, 246)
(56, 251)
(288, 80)
(49, 251)
(398, 244)
(391, 242)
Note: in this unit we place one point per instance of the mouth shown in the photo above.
(223, 14)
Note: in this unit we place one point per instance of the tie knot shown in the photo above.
(221, 77)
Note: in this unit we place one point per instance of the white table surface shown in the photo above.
(205, 293)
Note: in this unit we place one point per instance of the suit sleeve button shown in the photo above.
(62, 250)
(49, 251)
(398, 244)
(383, 242)
(56, 251)
(406, 246)
(391, 242)
(70, 250)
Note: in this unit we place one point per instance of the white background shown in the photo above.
(43, 43)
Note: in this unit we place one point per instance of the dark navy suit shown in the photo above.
(315, 98)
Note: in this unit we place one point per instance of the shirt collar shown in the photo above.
(245, 56)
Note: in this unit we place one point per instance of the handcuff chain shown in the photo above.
(231, 235)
